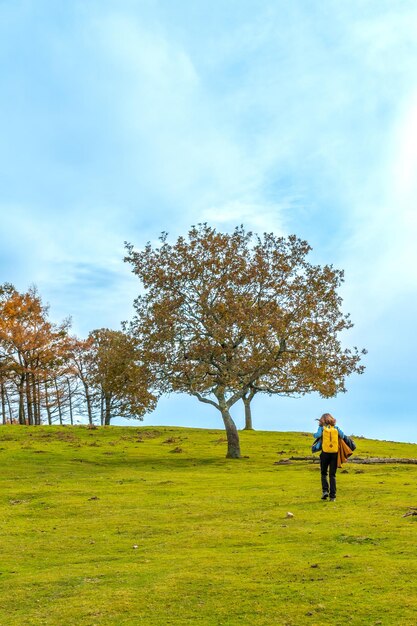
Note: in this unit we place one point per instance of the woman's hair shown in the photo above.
(327, 420)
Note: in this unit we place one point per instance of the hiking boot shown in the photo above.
(325, 495)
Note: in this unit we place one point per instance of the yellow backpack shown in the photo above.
(330, 441)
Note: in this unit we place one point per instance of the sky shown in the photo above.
(120, 119)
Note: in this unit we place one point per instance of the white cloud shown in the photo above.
(256, 216)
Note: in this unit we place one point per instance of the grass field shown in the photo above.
(154, 526)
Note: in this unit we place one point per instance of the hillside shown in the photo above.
(154, 526)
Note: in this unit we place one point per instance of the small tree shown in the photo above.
(82, 360)
(115, 368)
(222, 312)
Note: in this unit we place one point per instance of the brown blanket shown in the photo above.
(343, 453)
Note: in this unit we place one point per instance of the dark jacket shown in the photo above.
(349, 442)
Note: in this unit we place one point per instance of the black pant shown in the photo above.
(328, 461)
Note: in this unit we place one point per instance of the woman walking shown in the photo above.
(329, 434)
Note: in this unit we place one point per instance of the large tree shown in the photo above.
(220, 313)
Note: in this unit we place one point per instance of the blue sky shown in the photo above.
(120, 119)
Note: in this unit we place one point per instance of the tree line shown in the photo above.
(49, 376)
(220, 316)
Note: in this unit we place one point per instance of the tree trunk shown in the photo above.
(3, 403)
(233, 444)
(102, 409)
(58, 401)
(248, 414)
(35, 402)
(29, 399)
(363, 461)
(107, 415)
(70, 401)
(88, 402)
(39, 400)
(48, 406)
(9, 406)
(247, 399)
(22, 416)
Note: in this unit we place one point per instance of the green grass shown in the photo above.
(111, 526)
